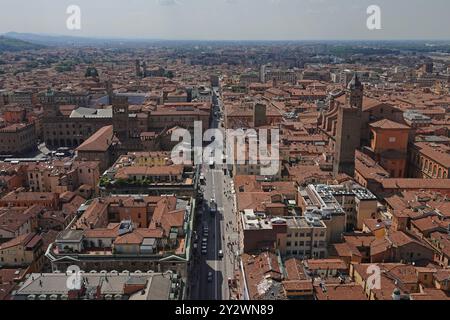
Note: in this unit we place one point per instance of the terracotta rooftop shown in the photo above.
(100, 141)
(388, 124)
(351, 291)
(328, 264)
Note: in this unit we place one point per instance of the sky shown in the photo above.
(231, 19)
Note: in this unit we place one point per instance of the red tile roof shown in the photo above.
(100, 141)
(388, 124)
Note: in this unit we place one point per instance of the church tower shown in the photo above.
(348, 128)
(109, 90)
(50, 106)
(138, 68)
(354, 92)
(120, 117)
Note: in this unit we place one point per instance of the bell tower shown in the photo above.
(120, 117)
(49, 104)
(348, 129)
(137, 65)
(355, 92)
(109, 90)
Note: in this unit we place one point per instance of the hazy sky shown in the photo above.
(231, 19)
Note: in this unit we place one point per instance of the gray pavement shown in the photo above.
(223, 235)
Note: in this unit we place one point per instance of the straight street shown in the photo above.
(222, 233)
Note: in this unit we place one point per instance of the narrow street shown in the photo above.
(222, 236)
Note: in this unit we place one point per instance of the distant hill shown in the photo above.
(51, 40)
(11, 44)
(77, 41)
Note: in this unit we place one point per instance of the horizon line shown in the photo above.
(133, 38)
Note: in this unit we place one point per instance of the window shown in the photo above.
(392, 139)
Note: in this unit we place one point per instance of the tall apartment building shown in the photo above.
(302, 237)
(352, 201)
(306, 238)
(317, 202)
